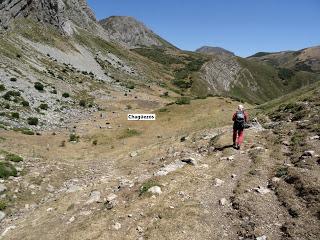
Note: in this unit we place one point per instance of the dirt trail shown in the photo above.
(204, 189)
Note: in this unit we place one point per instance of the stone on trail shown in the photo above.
(316, 137)
(3, 188)
(117, 226)
(262, 190)
(223, 201)
(133, 154)
(2, 215)
(309, 153)
(218, 182)
(94, 197)
(286, 143)
(155, 190)
(170, 168)
(264, 237)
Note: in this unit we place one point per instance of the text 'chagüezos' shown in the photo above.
(141, 117)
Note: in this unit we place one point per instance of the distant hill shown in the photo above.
(132, 33)
(214, 51)
(307, 59)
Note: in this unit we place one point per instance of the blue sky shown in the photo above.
(242, 26)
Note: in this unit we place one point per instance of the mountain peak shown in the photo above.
(214, 51)
(132, 33)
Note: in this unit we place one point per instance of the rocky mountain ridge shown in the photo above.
(60, 13)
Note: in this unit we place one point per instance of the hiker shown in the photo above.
(240, 117)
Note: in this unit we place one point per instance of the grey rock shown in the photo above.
(2, 215)
(133, 154)
(316, 137)
(262, 190)
(170, 168)
(3, 188)
(117, 226)
(217, 182)
(155, 190)
(94, 197)
(309, 153)
(223, 201)
(264, 237)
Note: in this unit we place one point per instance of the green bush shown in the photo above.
(65, 95)
(82, 103)
(129, 133)
(39, 86)
(8, 95)
(13, 157)
(33, 121)
(24, 103)
(15, 115)
(3, 205)
(2, 88)
(183, 100)
(95, 142)
(27, 132)
(74, 138)
(7, 170)
(44, 106)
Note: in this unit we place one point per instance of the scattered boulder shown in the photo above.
(170, 168)
(233, 176)
(286, 143)
(2, 215)
(155, 190)
(223, 201)
(309, 153)
(316, 137)
(94, 197)
(262, 190)
(264, 237)
(139, 229)
(73, 188)
(117, 226)
(71, 220)
(218, 182)
(133, 154)
(3, 188)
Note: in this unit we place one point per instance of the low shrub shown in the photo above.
(65, 95)
(33, 121)
(39, 86)
(13, 157)
(15, 115)
(74, 138)
(183, 100)
(82, 103)
(2, 88)
(7, 170)
(24, 103)
(44, 106)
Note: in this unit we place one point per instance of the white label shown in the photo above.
(141, 117)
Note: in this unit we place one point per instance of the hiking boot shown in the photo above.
(238, 146)
(234, 146)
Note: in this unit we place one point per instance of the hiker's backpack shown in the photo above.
(240, 120)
